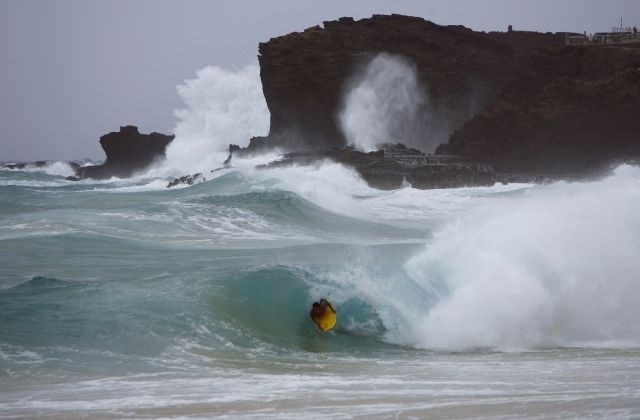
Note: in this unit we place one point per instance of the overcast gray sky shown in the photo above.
(72, 70)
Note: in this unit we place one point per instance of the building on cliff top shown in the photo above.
(618, 35)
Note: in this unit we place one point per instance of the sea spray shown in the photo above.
(385, 104)
(327, 184)
(55, 168)
(557, 266)
(222, 107)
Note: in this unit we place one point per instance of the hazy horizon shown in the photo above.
(74, 70)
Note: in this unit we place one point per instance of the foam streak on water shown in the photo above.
(447, 386)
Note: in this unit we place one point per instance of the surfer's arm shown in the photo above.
(331, 307)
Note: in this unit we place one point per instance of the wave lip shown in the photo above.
(556, 266)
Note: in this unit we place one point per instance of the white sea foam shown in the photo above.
(557, 266)
(32, 183)
(330, 185)
(340, 189)
(54, 168)
(415, 208)
(386, 104)
(139, 185)
(222, 107)
(58, 168)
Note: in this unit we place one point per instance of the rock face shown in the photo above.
(396, 166)
(522, 103)
(572, 111)
(187, 180)
(127, 152)
(305, 75)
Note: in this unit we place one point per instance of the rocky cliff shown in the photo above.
(522, 102)
(127, 152)
(572, 111)
(305, 75)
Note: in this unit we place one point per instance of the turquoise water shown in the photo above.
(123, 298)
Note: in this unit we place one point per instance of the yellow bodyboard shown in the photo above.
(327, 321)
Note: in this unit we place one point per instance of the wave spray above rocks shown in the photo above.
(222, 107)
(386, 103)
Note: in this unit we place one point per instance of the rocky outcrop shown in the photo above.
(396, 166)
(574, 110)
(127, 152)
(187, 180)
(305, 75)
(520, 102)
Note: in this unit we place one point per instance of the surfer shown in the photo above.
(323, 314)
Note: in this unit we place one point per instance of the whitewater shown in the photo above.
(123, 298)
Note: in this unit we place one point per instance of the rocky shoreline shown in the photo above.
(396, 166)
(128, 151)
(541, 110)
(501, 106)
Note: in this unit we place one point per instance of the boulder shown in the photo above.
(127, 152)
(187, 180)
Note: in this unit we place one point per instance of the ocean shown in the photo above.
(123, 298)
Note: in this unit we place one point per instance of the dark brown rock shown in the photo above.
(304, 75)
(187, 180)
(256, 146)
(127, 152)
(520, 102)
(574, 111)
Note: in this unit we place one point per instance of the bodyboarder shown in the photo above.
(323, 315)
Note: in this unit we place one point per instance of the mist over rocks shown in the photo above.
(127, 151)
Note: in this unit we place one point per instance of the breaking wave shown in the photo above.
(556, 266)
(222, 107)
